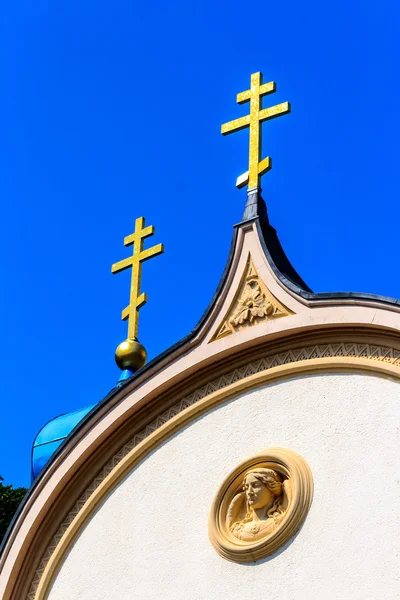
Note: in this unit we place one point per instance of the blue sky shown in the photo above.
(112, 110)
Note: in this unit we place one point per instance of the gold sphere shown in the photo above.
(130, 354)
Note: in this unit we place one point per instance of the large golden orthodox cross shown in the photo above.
(257, 167)
(137, 299)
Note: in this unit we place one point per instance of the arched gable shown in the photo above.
(304, 334)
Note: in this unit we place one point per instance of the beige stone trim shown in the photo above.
(253, 304)
(297, 492)
(380, 360)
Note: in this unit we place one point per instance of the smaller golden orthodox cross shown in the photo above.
(257, 167)
(137, 299)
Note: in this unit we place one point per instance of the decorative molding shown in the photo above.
(253, 303)
(350, 352)
(260, 505)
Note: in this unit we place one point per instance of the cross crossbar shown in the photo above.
(257, 166)
(137, 299)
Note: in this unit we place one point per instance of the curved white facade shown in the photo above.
(149, 538)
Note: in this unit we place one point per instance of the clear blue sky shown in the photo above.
(112, 110)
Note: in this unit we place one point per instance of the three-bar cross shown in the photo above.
(257, 167)
(137, 299)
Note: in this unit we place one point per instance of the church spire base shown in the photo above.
(255, 206)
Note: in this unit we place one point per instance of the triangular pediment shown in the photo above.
(253, 304)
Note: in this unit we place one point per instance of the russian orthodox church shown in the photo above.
(257, 457)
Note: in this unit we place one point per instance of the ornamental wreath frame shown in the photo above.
(296, 471)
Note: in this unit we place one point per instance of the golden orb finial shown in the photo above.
(130, 354)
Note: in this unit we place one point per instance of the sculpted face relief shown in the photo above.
(257, 493)
(264, 501)
(260, 505)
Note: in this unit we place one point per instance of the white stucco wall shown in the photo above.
(149, 539)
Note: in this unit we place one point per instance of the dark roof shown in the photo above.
(256, 210)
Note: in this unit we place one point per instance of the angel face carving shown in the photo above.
(262, 504)
(257, 486)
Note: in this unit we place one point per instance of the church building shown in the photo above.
(255, 458)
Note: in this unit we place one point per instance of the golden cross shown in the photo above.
(257, 167)
(137, 300)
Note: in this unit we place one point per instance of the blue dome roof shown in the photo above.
(52, 435)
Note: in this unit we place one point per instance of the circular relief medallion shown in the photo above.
(260, 505)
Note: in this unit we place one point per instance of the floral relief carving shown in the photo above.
(252, 304)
